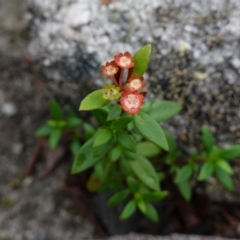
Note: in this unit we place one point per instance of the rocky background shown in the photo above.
(55, 48)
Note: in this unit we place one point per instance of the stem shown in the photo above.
(114, 81)
(121, 77)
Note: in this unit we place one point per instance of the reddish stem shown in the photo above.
(114, 81)
(121, 77)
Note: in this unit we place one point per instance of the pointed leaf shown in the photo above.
(43, 131)
(206, 171)
(164, 110)
(148, 149)
(115, 153)
(231, 152)
(155, 196)
(224, 165)
(118, 197)
(55, 109)
(84, 158)
(126, 141)
(114, 112)
(93, 101)
(224, 178)
(128, 210)
(54, 138)
(102, 137)
(150, 129)
(185, 189)
(132, 184)
(122, 122)
(145, 171)
(184, 173)
(101, 116)
(151, 212)
(208, 139)
(141, 59)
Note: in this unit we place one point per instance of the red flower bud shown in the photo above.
(124, 60)
(135, 83)
(110, 69)
(131, 101)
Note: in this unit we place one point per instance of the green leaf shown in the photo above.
(207, 138)
(146, 107)
(125, 167)
(224, 178)
(184, 173)
(93, 101)
(155, 196)
(224, 165)
(75, 146)
(141, 59)
(102, 137)
(101, 116)
(89, 130)
(121, 122)
(151, 130)
(171, 142)
(151, 212)
(141, 205)
(100, 171)
(185, 189)
(55, 109)
(126, 141)
(164, 110)
(128, 210)
(114, 112)
(115, 153)
(148, 149)
(73, 122)
(132, 184)
(118, 197)
(231, 152)
(206, 171)
(54, 138)
(84, 158)
(43, 131)
(101, 150)
(145, 171)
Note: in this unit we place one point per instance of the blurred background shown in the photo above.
(54, 48)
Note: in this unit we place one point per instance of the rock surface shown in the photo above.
(195, 58)
(171, 237)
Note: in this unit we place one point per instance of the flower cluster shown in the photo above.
(130, 91)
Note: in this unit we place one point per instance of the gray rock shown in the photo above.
(171, 237)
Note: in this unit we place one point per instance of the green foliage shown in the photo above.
(208, 139)
(128, 210)
(148, 149)
(117, 153)
(118, 197)
(151, 130)
(145, 171)
(102, 137)
(206, 171)
(93, 101)
(114, 112)
(141, 59)
(164, 110)
(126, 141)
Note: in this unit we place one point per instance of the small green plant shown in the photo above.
(121, 150)
(57, 126)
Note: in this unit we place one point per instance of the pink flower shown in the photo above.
(135, 83)
(131, 101)
(110, 69)
(125, 60)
